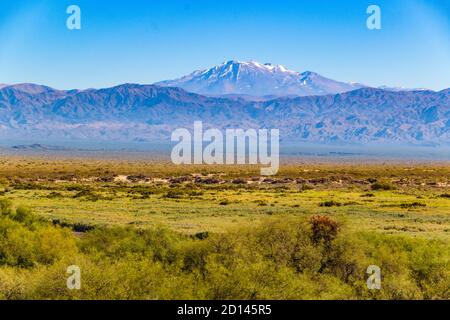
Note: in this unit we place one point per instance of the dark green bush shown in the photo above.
(367, 195)
(5, 207)
(385, 186)
(330, 203)
(412, 205)
(24, 215)
(173, 194)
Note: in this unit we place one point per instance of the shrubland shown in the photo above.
(303, 257)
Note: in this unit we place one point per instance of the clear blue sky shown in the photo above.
(147, 41)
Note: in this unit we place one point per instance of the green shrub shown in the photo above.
(367, 195)
(330, 203)
(55, 195)
(306, 187)
(412, 205)
(24, 215)
(17, 245)
(202, 235)
(88, 195)
(173, 194)
(6, 207)
(323, 229)
(385, 186)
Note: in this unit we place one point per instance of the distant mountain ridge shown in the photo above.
(39, 147)
(256, 79)
(133, 112)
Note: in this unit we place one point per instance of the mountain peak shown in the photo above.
(29, 88)
(257, 65)
(257, 79)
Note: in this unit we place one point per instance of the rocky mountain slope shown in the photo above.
(132, 112)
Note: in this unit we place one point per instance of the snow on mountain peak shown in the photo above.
(257, 79)
(255, 65)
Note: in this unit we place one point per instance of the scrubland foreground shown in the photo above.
(151, 230)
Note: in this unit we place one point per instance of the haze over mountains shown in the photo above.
(312, 109)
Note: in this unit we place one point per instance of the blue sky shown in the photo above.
(148, 41)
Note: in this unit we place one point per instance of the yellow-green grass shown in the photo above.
(415, 207)
(216, 210)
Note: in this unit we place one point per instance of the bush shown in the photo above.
(323, 229)
(173, 194)
(17, 244)
(367, 195)
(202, 235)
(55, 195)
(287, 243)
(6, 207)
(24, 215)
(412, 205)
(306, 187)
(385, 186)
(330, 203)
(77, 227)
(88, 195)
(261, 203)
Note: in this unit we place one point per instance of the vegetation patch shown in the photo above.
(412, 205)
(383, 186)
(330, 203)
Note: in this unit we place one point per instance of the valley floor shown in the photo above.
(406, 204)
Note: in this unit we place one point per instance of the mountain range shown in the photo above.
(335, 113)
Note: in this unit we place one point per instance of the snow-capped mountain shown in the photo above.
(256, 79)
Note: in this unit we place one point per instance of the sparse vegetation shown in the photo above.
(312, 259)
(330, 203)
(412, 205)
(383, 186)
(171, 233)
